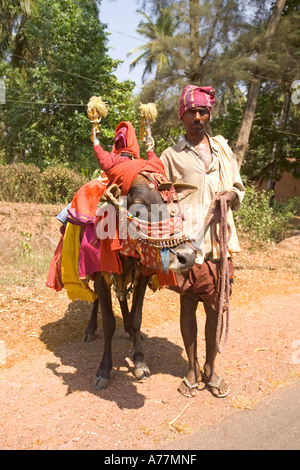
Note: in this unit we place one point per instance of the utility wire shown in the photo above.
(41, 103)
(83, 105)
(124, 34)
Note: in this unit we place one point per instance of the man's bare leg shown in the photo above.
(210, 377)
(188, 325)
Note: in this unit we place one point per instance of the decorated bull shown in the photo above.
(129, 226)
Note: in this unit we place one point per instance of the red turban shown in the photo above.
(194, 96)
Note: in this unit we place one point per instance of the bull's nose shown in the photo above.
(182, 258)
(186, 260)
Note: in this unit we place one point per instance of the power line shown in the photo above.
(124, 34)
(208, 60)
(128, 35)
(41, 103)
(268, 128)
(66, 71)
(83, 105)
(79, 76)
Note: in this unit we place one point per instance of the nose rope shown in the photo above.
(218, 216)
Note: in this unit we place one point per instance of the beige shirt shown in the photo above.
(183, 163)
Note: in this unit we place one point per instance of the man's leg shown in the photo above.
(217, 386)
(188, 325)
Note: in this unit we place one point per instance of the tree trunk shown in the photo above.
(277, 149)
(241, 144)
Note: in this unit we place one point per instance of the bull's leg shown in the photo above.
(141, 369)
(109, 326)
(126, 318)
(90, 332)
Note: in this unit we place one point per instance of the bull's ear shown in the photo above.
(184, 189)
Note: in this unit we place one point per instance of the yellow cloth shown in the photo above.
(76, 289)
(225, 184)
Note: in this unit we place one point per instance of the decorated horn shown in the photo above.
(148, 115)
(96, 109)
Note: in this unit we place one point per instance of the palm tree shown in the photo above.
(158, 50)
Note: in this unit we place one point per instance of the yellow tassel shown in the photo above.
(96, 109)
(149, 115)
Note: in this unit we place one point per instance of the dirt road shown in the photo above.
(46, 396)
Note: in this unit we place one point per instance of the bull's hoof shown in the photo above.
(88, 338)
(100, 383)
(141, 372)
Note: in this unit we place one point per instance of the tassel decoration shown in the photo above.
(96, 109)
(148, 115)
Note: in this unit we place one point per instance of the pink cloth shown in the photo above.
(193, 96)
(120, 139)
(89, 254)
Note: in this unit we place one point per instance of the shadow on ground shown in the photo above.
(78, 361)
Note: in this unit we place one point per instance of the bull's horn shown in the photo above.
(184, 189)
(164, 186)
(113, 192)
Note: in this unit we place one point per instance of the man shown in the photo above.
(209, 164)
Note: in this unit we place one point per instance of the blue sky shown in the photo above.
(122, 20)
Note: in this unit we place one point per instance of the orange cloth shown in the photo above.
(124, 173)
(84, 204)
(54, 274)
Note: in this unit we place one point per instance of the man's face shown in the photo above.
(195, 120)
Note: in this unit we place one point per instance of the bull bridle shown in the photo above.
(156, 242)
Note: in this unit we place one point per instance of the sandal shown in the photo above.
(187, 383)
(212, 385)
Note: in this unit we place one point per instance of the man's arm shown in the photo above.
(237, 186)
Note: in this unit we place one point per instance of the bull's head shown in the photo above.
(145, 203)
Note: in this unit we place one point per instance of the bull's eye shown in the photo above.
(139, 210)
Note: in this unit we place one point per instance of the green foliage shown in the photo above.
(26, 183)
(158, 52)
(261, 223)
(20, 183)
(225, 48)
(25, 245)
(60, 184)
(64, 63)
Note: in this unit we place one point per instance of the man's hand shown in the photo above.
(95, 136)
(230, 197)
